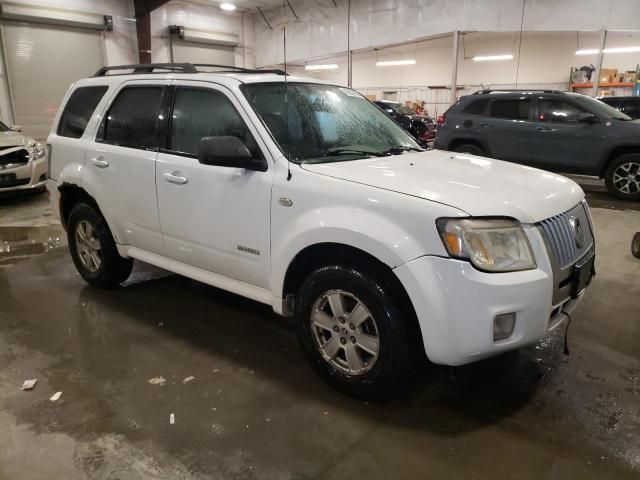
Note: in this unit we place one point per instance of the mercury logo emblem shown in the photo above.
(578, 231)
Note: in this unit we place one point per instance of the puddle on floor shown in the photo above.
(19, 243)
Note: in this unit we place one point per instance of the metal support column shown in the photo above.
(596, 73)
(349, 55)
(454, 67)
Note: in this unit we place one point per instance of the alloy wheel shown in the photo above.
(88, 246)
(345, 332)
(626, 178)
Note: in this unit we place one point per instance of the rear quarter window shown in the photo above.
(78, 110)
(476, 107)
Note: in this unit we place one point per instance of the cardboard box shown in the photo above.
(608, 74)
(629, 77)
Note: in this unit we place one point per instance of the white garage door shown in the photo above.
(42, 61)
(193, 52)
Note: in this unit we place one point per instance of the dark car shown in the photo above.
(422, 127)
(548, 129)
(628, 105)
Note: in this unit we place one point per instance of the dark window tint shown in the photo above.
(632, 108)
(557, 111)
(199, 113)
(78, 110)
(476, 107)
(510, 109)
(132, 118)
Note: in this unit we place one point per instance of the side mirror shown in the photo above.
(16, 128)
(587, 117)
(227, 151)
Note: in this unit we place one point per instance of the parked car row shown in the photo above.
(422, 127)
(552, 130)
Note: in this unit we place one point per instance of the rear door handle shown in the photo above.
(174, 178)
(99, 162)
(487, 124)
(544, 129)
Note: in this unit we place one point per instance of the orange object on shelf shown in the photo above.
(602, 84)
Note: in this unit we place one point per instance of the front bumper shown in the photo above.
(31, 176)
(456, 305)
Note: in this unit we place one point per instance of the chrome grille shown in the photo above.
(562, 230)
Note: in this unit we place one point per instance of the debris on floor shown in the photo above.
(172, 419)
(55, 396)
(161, 324)
(29, 384)
(188, 379)
(157, 381)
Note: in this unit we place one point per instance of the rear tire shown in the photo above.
(353, 333)
(93, 249)
(469, 148)
(622, 177)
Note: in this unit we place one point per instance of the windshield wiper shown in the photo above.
(399, 149)
(334, 152)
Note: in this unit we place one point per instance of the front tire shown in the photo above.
(635, 245)
(623, 177)
(353, 333)
(469, 148)
(93, 249)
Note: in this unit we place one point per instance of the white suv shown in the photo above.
(305, 196)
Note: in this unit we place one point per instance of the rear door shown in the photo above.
(120, 164)
(563, 142)
(508, 127)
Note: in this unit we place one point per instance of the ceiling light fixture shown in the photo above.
(490, 58)
(328, 66)
(392, 63)
(230, 7)
(595, 51)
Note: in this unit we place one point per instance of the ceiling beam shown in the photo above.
(143, 9)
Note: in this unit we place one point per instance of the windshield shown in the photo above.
(599, 108)
(325, 123)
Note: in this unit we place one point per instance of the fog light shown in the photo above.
(503, 326)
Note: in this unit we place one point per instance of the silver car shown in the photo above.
(23, 165)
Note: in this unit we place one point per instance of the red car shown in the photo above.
(422, 127)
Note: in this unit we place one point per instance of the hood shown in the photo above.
(12, 139)
(477, 185)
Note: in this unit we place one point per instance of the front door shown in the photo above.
(212, 217)
(563, 142)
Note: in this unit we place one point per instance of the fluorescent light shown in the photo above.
(391, 63)
(328, 66)
(489, 58)
(589, 51)
(228, 6)
(595, 51)
(622, 50)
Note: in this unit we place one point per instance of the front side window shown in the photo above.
(632, 108)
(78, 110)
(317, 123)
(131, 120)
(199, 113)
(550, 110)
(510, 108)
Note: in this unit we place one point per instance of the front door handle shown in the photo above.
(544, 129)
(175, 178)
(487, 124)
(100, 162)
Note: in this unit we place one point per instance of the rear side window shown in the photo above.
(632, 108)
(510, 108)
(199, 113)
(476, 107)
(78, 110)
(558, 111)
(131, 120)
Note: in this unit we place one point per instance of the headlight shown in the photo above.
(35, 149)
(490, 245)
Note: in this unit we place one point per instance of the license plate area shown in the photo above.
(7, 179)
(582, 274)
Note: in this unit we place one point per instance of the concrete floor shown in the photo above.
(256, 410)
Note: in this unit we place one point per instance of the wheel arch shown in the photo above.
(70, 195)
(615, 153)
(456, 142)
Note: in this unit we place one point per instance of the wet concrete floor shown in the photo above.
(256, 410)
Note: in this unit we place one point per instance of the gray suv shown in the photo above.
(548, 129)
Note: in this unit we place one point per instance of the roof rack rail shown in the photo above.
(177, 68)
(517, 90)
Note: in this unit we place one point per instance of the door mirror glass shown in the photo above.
(227, 151)
(587, 117)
